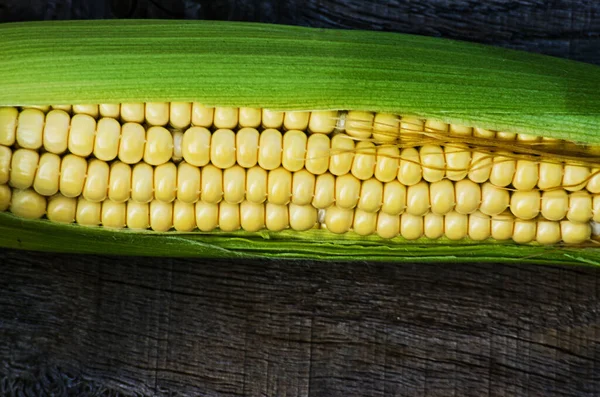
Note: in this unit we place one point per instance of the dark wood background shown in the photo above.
(109, 326)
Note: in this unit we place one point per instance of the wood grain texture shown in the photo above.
(109, 326)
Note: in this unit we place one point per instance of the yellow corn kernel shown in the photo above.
(388, 161)
(195, 146)
(294, 150)
(411, 126)
(524, 231)
(322, 122)
(359, 124)
(550, 175)
(138, 215)
(225, 117)
(112, 110)
(82, 135)
(436, 126)
(250, 117)
(458, 158)
(483, 133)
(23, 165)
(246, 147)
(161, 215)
(165, 182)
(159, 146)
(177, 143)
(468, 196)
(212, 184)
(61, 209)
(5, 164)
(460, 130)
(342, 154)
(365, 223)
(527, 138)
(480, 167)
(95, 187)
(347, 191)
(480, 226)
(394, 198)
(433, 162)
(575, 177)
(252, 216)
(222, 148)
(276, 217)
(502, 226)
(593, 185)
(526, 175)
(114, 215)
(580, 207)
(525, 205)
(188, 183)
(555, 204)
(123, 182)
(371, 195)
(338, 220)
(270, 149)
(55, 137)
(494, 200)
(272, 118)
(388, 226)
(180, 115)
(256, 185)
(411, 226)
(27, 204)
(596, 208)
(132, 143)
(90, 110)
(441, 195)
(317, 154)
(30, 126)
(132, 112)
(5, 197)
(234, 184)
(279, 187)
(417, 199)
(386, 127)
(8, 125)
(106, 147)
(324, 195)
(503, 170)
(207, 216)
(88, 213)
(157, 113)
(296, 120)
(302, 217)
(506, 136)
(303, 187)
(202, 116)
(547, 232)
(410, 171)
(433, 225)
(456, 226)
(363, 165)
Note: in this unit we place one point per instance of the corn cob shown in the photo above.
(212, 172)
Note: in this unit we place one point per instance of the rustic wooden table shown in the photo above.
(112, 326)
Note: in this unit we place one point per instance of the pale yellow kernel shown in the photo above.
(157, 113)
(317, 154)
(229, 216)
(142, 184)
(42, 108)
(132, 143)
(524, 231)
(82, 135)
(296, 120)
(250, 117)
(5, 161)
(8, 125)
(468, 196)
(212, 184)
(270, 149)
(596, 208)
(322, 122)
(388, 226)
(195, 146)
(61, 209)
(256, 184)
(550, 175)
(132, 112)
(483, 133)
(460, 130)
(417, 199)
(294, 150)
(303, 187)
(302, 217)
(226, 117)
(222, 148)
(456, 226)
(580, 207)
(575, 177)
(480, 226)
(433, 226)
(276, 217)
(388, 161)
(112, 110)
(410, 171)
(279, 186)
(411, 226)
(207, 216)
(5, 197)
(56, 131)
(433, 162)
(441, 195)
(386, 128)
(122, 182)
(506, 136)
(480, 167)
(90, 110)
(114, 215)
(272, 118)
(527, 138)
(246, 147)
(95, 187)
(494, 200)
(106, 146)
(371, 195)
(23, 165)
(503, 170)
(593, 185)
(458, 159)
(365, 223)
(161, 216)
(30, 128)
(548, 232)
(324, 195)
(188, 183)
(502, 226)
(177, 146)
(202, 116)
(525, 205)
(252, 216)
(555, 204)
(180, 115)
(234, 184)
(341, 154)
(165, 182)
(411, 126)
(347, 191)
(526, 175)
(359, 124)
(159, 146)
(436, 126)
(394, 198)
(138, 215)
(88, 213)
(27, 204)
(338, 220)
(363, 165)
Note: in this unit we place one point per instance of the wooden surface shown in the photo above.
(107, 326)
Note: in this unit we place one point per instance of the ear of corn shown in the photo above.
(218, 165)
